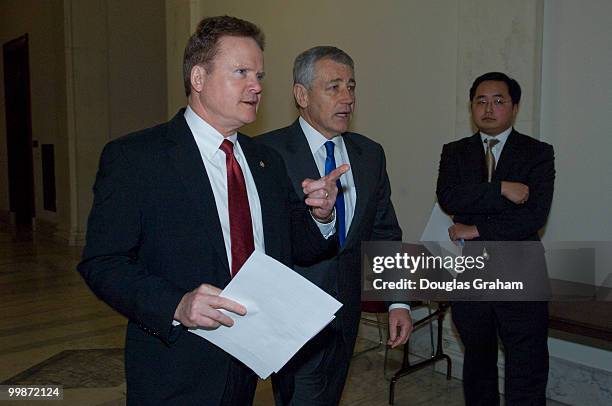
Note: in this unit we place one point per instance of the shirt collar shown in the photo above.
(501, 137)
(316, 139)
(208, 139)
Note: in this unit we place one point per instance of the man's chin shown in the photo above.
(487, 125)
(249, 119)
(341, 128)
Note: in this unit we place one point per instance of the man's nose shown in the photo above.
(255, 86)
(347, 96)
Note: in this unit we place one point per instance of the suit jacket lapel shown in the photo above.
(303, 164)
(265, 183)
(358, 170)
(476, 155)
(185, 155)
(507, 157)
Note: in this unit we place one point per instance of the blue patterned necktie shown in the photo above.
(330, 165)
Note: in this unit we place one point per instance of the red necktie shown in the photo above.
(241, 229)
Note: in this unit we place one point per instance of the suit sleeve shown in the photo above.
(386, 227)
(456, 196)
(522, 221)
(111, 265)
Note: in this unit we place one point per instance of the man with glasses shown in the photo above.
(498, 185)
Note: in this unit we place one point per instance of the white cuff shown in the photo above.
(326, 229)
(399, 306)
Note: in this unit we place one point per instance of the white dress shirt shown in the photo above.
(498, 148)
(316, 142)
(208, 140)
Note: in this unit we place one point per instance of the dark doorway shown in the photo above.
(19, 129)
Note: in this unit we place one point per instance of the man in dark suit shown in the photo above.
(324, 91)
(498, 185)
(178, 209)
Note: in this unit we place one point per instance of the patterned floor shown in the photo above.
(93, 368)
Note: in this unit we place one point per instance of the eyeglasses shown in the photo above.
(497, 102)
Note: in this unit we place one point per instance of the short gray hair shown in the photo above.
(304, 65)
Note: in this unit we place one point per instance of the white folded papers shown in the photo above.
(284, 311)
(435, 235)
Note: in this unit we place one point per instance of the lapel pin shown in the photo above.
(261, 163)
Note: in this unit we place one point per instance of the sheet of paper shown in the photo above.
(435, 235)
(284, 311)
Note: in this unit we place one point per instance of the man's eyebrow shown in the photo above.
(339, 80)
(482, 96)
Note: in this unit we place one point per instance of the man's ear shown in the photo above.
(301, 95)
(197, 78)
(515, 109)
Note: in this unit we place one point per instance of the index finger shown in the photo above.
(339, 171)
(230, 305)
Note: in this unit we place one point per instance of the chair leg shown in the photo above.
(386, 364)
(380, 339)
(380, 330)
(392, 391)
(439, 349)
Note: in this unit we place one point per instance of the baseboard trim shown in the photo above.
(72, 238)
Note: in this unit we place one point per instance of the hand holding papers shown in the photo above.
(284, 311)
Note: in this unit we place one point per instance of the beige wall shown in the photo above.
(116, 62)
(414, 62)
(137, 64)
(178, 29)
(577, 117)
(501, 36)
(43, 22)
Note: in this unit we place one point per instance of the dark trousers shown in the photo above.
(317, 374)
(240, 385)
(523, 330)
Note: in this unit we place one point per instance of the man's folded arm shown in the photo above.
(525, 220)
(463, 198)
